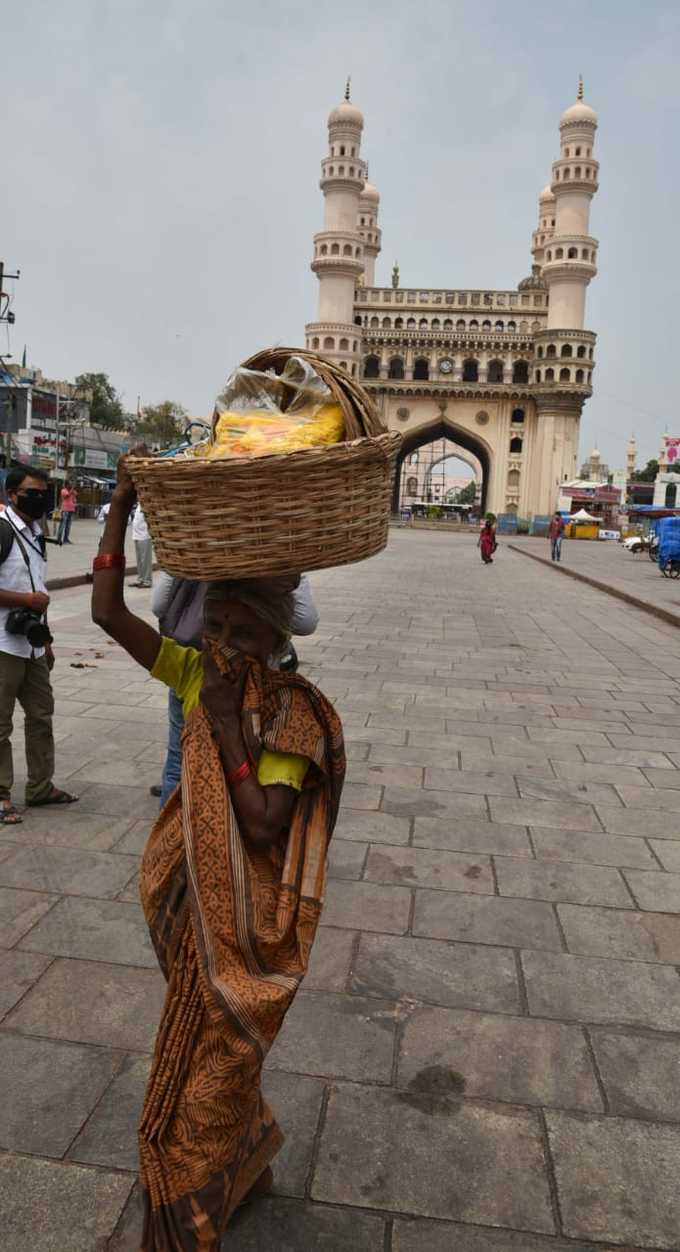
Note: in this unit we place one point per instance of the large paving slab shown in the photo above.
(93, 930)
(517, 1060)
(438, 973)
(640, 1073)
(465, 1160)
(498, 949)
(590, 989)
(617, 1178)
(486, 919)
(426, 1236)
(109, 1137)
(50, 1207)
(292, 1226)
(92, 1002)
(49, 1090)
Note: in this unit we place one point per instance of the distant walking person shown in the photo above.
(68, 500)
(555, 533)
(143, 548)
(487, 541)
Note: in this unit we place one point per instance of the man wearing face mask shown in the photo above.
(26, 656)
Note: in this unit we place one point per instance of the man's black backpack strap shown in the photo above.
(6, 539)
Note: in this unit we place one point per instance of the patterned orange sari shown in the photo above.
(232, 925)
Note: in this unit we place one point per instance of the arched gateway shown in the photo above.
(429, 432)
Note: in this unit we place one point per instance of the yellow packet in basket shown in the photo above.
(262, 412)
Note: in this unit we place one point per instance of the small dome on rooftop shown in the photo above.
(535, 281)
(346, 114)
(580, 111)
(546, 194)
(370, 193)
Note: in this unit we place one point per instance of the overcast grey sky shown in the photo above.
(160, 166)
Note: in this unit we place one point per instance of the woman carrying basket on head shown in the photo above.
(232, 884)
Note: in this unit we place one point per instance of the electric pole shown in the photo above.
(7, 317)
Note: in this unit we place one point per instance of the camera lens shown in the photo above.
(37, 634)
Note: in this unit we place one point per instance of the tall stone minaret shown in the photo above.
(631, 457)
(546, 226)
(367, 225)
(569, 262)
(565, 251)
(339, 250)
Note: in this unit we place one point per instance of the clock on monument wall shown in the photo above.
(446, 366)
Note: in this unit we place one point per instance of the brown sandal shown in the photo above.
(9, 816)
(56, 796)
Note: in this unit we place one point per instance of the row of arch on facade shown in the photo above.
(571, 254)
(329, 342)
(586, 171)
(343, 171)
(335, 250)
(565, 376)
(565, 351)
(435, 323)
(422, 369)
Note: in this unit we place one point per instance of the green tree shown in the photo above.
(646, 475)
(468, 493)
(105, 406)
(161, 424)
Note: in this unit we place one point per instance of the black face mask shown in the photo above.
(33, 504)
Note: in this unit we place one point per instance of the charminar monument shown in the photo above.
(503, 374)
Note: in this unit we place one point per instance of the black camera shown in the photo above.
(29, 624)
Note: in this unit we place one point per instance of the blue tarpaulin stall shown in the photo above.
(668, 530)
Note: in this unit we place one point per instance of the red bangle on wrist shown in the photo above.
(108, 560)
(236, 776)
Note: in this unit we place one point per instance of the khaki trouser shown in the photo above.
(144, 554)
(27, 681)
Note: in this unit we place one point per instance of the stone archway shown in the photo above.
(441, 428)
(451, 451)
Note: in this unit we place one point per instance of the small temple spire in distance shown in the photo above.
(579, 94)
(349, 82)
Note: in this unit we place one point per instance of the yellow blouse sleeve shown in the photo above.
(180, 668)
(283, 768)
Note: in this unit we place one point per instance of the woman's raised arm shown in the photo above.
(108, 605)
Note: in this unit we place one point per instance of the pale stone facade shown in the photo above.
(505, 373)
(667, 491)
(594, 469)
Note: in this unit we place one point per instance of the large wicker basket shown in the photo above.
(242, 517)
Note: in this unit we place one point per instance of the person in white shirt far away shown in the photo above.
(143, 548)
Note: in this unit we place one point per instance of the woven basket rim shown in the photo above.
(347, 450)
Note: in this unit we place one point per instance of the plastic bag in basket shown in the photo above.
(260, 413)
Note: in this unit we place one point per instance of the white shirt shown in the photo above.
(140, 530)
(305, 612)
(14, 577)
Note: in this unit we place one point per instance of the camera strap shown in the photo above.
(27, 560)
(24, 553)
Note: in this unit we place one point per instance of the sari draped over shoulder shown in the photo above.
(232, 925)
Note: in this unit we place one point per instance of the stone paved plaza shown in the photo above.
(486, 1053)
